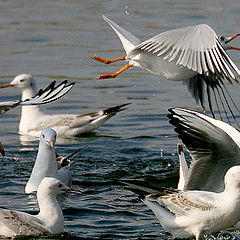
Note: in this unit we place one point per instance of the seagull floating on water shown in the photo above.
(48, 163)
(195, 55)
(33, 121)
(195, 213)
(49, 94)
(50, 218)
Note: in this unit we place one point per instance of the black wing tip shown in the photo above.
(143, 191)
(141, 194)
(116, 109)
(74, 153)
(66, 81)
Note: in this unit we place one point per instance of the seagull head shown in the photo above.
(48, 137)
(21, 81)
(225, 40)
(52, 186)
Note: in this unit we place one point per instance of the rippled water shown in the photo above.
(55, 40)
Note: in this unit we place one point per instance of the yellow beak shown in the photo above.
(51, 144)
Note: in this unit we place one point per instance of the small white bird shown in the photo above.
(213, 145)
(195, 55)
(49, 94)
(49, 220)
(194, 213)
(33, 120)
(46, 163)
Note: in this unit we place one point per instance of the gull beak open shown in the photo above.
(230, 39)
(2, 150)
(73, 190)
(7, 85)
(51, 143)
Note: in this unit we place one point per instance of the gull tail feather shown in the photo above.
(129, 41)
(142, 191)
(165, 217)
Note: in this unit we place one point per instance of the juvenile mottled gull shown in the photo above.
(194, 213)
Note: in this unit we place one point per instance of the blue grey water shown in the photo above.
(55, 40)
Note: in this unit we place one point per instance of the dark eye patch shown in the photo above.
(22, 80)
(222, 38)
(60, 185)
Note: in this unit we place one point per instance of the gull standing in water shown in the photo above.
(195, 55)
(49, 94)
(194, 213)
(50, 218)
(33, 120)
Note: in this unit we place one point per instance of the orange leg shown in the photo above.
(107, 61)
(113, 75)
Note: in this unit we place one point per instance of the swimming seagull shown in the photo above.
(185, 214)
(50, 218)
(46, 163)
(49, 94)
(213, 145)
(195, 55)
(33, 120)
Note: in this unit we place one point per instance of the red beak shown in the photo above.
(7, 85)
(73, 190)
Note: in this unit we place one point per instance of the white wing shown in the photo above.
(6, 106)
(49, 94)
(195, 47)
(19, 223)
(213, 146)
(183, 202)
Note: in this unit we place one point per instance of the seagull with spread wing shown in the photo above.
(194, 54)
(47, 95)
(33, 120)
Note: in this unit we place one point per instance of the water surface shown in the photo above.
(55, 40)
